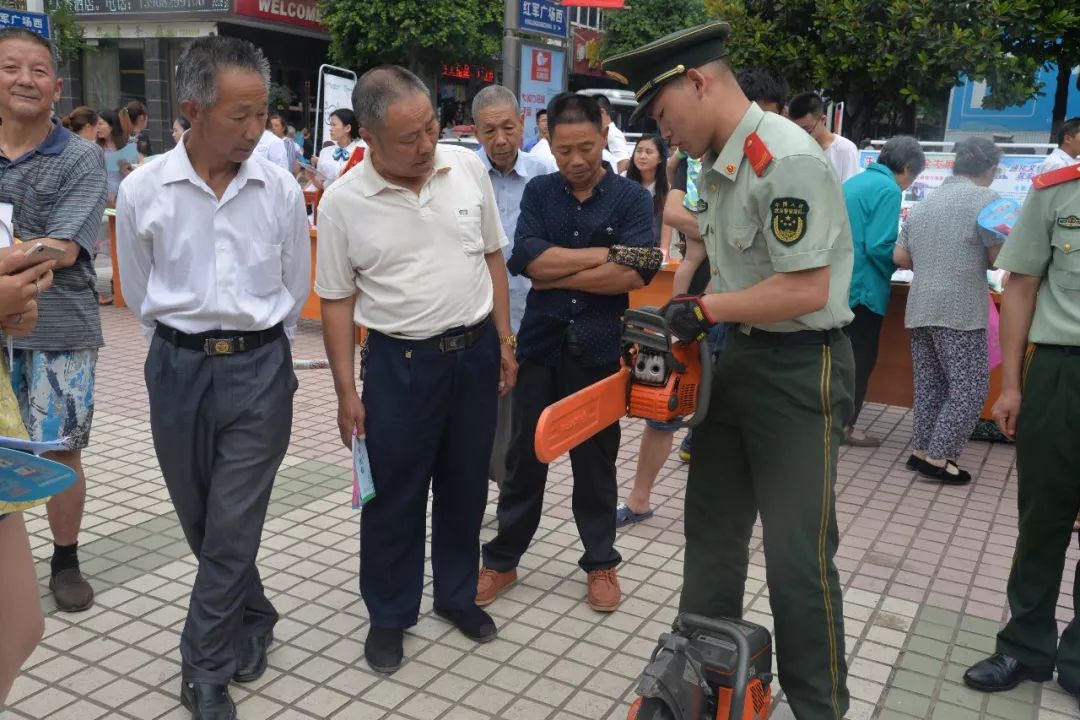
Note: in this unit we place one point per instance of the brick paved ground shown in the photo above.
(923, 568)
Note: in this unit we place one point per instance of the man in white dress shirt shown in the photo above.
(618, 150)
(1065, 154)
(410, 247)
(215, 261)
(273, 149)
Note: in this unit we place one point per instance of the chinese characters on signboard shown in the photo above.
(464, 71)
(542, 78)
(543, 16)
(34, 22)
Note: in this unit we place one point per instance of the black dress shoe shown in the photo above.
(472, 621)
(251, 658)
(913, 462)
(941, 474)
(207, 701)
(384, 649)
(1001, 672)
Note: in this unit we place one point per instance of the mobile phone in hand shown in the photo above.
(39, 253)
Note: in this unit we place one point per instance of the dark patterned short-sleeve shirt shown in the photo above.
(57, 190)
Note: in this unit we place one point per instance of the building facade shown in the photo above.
(132, 47)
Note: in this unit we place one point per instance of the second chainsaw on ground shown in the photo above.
(659, 379)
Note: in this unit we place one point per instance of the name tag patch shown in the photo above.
(1069, 223)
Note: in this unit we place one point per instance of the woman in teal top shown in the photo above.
(873, 205)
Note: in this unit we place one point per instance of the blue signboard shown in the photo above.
(542, 78)
(543, 16)
(35, 22)
(966, 113)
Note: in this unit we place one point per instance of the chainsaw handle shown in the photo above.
(704, 392)
(689, 621)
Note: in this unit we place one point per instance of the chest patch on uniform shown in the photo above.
(789, 219)
(1069, 223)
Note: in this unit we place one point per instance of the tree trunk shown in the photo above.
(1061, 97)
(907, 118)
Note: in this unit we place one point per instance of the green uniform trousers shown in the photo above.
(769, 444)
(1048, 495)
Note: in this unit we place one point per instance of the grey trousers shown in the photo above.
(503, 435)
(952, 377)
(221, 428)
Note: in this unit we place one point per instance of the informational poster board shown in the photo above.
(335, 91)
(1013, 178)
(542, 78)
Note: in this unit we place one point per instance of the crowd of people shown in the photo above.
(492, 284)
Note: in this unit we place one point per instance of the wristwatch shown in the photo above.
(510, 341)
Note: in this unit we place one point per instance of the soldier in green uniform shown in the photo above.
(778, 241)
(1039, 405)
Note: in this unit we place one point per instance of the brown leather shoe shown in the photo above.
(491, 583)
(604, 592)
(71, 591)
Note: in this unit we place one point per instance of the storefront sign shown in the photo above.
(304, 13)
(587, 52)
(35, 22)
(542, 16)
(145, 7)
(542, 78)
(465, 71)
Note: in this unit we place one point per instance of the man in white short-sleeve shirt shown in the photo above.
(808, 112)
(410, 247)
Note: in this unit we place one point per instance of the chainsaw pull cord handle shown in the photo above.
(742, 653)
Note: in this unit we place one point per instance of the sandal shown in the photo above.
(624, 516)
(941, 474)
(858, 439)
(104, 300)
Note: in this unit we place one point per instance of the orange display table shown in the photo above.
(658, 291)
(893, 381)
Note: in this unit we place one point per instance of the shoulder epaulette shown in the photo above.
(1056, 177)
(757, 153)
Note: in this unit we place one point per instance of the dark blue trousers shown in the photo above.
(430, 421)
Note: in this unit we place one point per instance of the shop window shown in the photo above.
(132, 67)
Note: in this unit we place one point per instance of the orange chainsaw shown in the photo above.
(660, 379)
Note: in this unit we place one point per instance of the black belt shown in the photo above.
(449, 341)
(220, 342)
(1067, 349)
(798, 337)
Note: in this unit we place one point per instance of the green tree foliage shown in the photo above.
(646, 20)
(1045, 34)
(883, 58)
(67, 35)
(418, 35)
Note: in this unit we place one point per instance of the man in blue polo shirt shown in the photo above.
(873, 204)
(54, 183)
(499, 128)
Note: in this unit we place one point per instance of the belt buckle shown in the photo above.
(453, 343)
(746, 328)
(219, 346)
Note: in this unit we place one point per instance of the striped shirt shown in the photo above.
(58, 191)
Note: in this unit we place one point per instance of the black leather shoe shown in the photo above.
(1001, 672)
(251, 658)
(207, 701)
(913, 462)
(472, 621)
(384, 649)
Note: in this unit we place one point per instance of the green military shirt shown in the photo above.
(790, 218)
(1046, 243)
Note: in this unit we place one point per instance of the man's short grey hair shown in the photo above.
(494, 96)
(974, 156)
(18, 33)
(901, 153)
(205, 58)
(379, 88)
